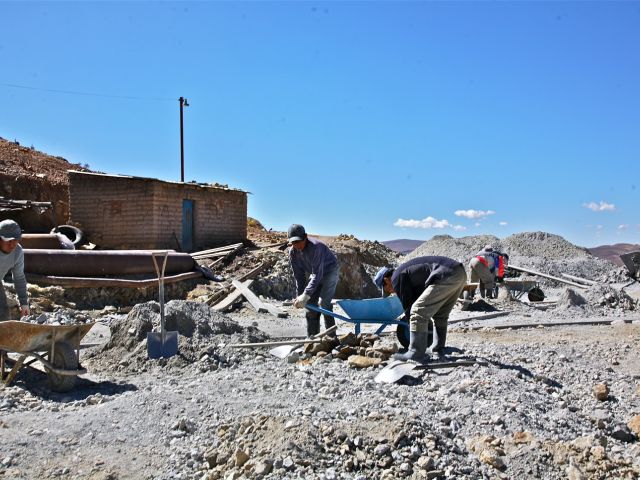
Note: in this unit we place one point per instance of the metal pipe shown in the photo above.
(545, 275)
(95, 263)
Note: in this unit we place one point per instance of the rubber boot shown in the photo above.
(417, 348)
(313, 324)
(439, 341)
(481, 288)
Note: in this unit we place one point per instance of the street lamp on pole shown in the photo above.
(183, 103)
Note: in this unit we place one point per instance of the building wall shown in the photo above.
(141, 213)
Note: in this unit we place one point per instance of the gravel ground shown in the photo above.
(556, 402)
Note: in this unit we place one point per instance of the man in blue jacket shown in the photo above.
(428, 288)
(12, 260)
(315, 269)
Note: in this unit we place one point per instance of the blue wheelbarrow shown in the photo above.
(383, 311)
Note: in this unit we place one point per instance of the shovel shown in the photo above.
(285, 350)
(163, 344)
(397, 369)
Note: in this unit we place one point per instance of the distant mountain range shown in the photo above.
(613, 252)
(403, 245)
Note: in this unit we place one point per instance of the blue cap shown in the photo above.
(379, 277)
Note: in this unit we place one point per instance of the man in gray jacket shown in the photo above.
(12, 260)
(316, 270)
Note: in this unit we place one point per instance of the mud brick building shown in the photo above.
(117, 211)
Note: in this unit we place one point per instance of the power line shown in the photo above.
(87, 94)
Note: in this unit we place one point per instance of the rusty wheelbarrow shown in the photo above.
(57, 347)
(517, 288)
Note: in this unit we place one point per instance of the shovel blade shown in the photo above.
(156, 348)
(395, 371)
(283, 351)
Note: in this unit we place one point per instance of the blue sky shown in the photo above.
(380, 119)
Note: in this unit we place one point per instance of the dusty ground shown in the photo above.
(531, 413)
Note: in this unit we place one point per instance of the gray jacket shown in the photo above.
(14, 262)
(315, 259)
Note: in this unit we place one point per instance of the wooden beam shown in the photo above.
(250, 296)
(231, 298)
(255, 302)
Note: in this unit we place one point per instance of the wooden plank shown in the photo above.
(258, 304)
(250, 296)
(235, 246)
(235, 294)
(231, 298)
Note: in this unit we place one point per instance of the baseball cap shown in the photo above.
(10, 230)
(296, 233)
(378, 279)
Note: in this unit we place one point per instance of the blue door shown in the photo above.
(187, 225)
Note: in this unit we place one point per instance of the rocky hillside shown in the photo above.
(27, 174)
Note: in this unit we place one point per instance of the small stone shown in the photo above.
(522, 437)
(360, 361)
(240, 458)
(601, 392)
(490, 457)
(263, 468)
(634, 425)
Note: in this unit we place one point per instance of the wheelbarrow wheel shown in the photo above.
(64, 358)
(402, 332)
(535, 294)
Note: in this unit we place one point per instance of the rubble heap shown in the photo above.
(202, 332)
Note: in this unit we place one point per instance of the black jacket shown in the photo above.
(412, 278)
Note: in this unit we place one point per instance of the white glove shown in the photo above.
(24, 310)
(301, 301)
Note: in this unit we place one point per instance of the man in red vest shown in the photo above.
(487, 267)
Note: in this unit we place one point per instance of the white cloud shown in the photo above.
(477, 224)
(624, 226)
(474, 213)
(503, 224)
(427, 223)
(599, 207)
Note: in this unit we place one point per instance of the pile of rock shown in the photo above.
(202, 332)
(540, 251)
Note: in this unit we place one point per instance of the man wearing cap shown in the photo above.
(315, 269)
(487, 267)
(428, 288)
(12, 259)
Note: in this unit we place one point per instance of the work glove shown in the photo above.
(24, 310)
(301, 301)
